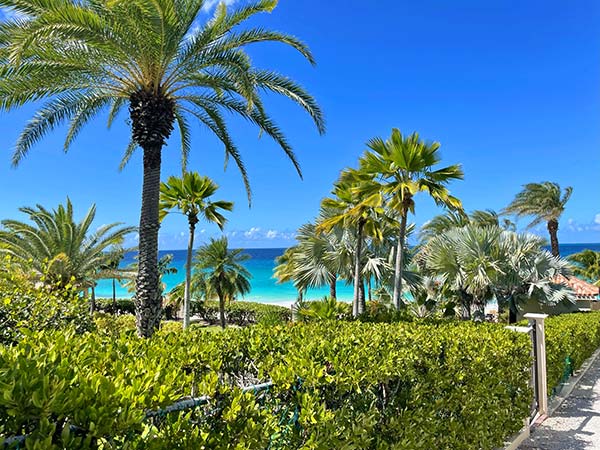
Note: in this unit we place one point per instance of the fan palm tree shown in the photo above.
(191, 194)
(352, 208)
(529, 271)
(285, 270)
(156, 59)
(63, 250)
(456, 219)
(545, 202)
(223, 271)
(402, 167)
(479, 263)
(586, 264)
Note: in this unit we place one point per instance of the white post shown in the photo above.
(537, 322)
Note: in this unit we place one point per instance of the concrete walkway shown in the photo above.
(575, 424)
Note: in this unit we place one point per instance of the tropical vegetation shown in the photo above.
(191, 194)
(160, 62)
(400, 168)
(545, 202)
(222, 272)
(586, 264)
(60, 250)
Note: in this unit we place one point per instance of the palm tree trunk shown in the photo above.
(93, 301)
(369, 289)
(553, 231)
(221, 310)
(332, 285)
(114, 292)
(512, 310)
(188, 275)
(362, 306)
(357, 268)
(398, 269)
(147, 296)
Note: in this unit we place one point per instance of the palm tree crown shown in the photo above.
(191, 194)
(67, 250)
(545, 202)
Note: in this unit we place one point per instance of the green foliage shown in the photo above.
(586, 264)
(335, 385)
(59, 249)
(541, 201)
(27, 306)
(120, 306)
(326, 309)
(576, 336)
(242, 313)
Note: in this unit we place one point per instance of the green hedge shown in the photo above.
(576, 336)
(123, 306)
(336, 385)
(242, 313)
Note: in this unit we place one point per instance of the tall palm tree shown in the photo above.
(156, 59)
(586, 264)
(57, 246)
(223, 271)
(352, 207)
(545, 202)
(402, 167)
(191, 195)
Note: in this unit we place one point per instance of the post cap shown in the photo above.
(535, 316)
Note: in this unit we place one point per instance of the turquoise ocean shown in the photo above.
(265, 289)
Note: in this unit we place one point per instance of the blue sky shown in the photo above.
(511, 90)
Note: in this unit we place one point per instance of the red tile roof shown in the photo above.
(582, 289)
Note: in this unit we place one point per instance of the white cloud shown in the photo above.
(597, 219)
(272, 234)
(252, 232)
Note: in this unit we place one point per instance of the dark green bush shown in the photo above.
(241, 313)
(336, 385)
(121, 306)
(576, 336)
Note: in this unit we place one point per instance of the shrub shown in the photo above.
(27, 304)
(335, 385)
(575, 336)
(326, 309)
(242, 313)
(123, 306)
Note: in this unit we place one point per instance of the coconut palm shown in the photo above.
(285, 270)
(354, 205)
(65, 251)
(223, 271)
(160, 61)
(191, 194)
(402, 167)
(586, 264)
(545, 202)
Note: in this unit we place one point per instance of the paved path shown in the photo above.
(575, 425)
